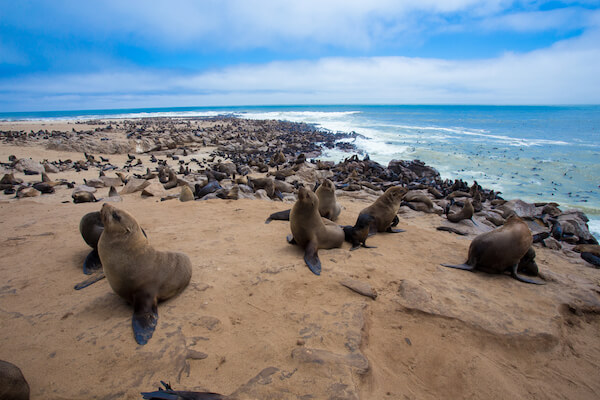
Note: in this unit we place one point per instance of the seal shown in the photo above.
(311, 231)
(13, 385)
(384, 210)
(328, 206)
(137, 272)
(501, 250)
(357, 234)
(466, 213)
(91, 228)
(83, 196)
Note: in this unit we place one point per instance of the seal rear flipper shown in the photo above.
(145, 317)
(368, 247)
(591, 258)
(93, 279)
(518, 277)
(279, 216)
(465, 267)
(290, 239)
(392, 230)
(311, 257)
(92, 263)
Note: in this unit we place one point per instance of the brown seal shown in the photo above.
(311, 231)
(466, 213)
(13, 385)
(357, 234)
(501, 250)
(328, 206)
(136, 271)
(384, 210)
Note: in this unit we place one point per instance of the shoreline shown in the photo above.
(431, 332)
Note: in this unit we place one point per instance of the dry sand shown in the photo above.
(255, 321)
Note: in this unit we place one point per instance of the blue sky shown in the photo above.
(60, 55)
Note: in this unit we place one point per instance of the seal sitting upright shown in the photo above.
(384, 210)
(507, 248)
(311, 231)
(137, 272)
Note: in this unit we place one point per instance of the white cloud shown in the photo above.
(565, 73)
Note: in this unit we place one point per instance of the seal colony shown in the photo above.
(402, 186)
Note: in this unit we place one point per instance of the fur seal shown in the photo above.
(384, 210)
(466, 213)
(328, 206)
(137, 272)
(83, 197)
(13, 385)
(91, 229)
(357, 234)
(170, 394)
(501, 250)
(311, 231)
(186, 194)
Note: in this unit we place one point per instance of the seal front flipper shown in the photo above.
(465, 267)
(92, 263)
(518, 277)
(93, 279)
(311, 257)
(279, 216)
(145, 317)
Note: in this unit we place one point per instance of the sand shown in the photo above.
(255, 322)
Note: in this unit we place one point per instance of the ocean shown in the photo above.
(535, 153)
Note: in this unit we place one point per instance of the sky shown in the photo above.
(106, 54)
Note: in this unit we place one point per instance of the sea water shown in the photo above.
(545, 153)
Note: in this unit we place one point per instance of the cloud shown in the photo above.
(565, 73)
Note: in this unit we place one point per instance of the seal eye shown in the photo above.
(116, 216)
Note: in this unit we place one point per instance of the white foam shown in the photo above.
(594, 225)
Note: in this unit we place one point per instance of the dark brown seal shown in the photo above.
(311, 231)
(13, 385)
(384, 210)
(137, 272)
(501, 250)
(357, 234)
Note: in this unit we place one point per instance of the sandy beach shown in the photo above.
(254, 322)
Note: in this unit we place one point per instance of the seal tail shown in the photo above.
(91, 280)
(465, 267)
(518, 277)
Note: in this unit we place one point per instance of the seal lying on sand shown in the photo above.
(137, 272)
(501, 250)
(13, 385)
(311, 231)
(384, 210)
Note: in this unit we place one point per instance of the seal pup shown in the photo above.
(136, 271)
(311, 231)
(13, 385)
(501, 250)
(357, 234)
(328, 206)
(83, 196)
(384, 210)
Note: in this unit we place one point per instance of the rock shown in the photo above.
(575, 223)
(135, 185)
(261, 194)
(111, 181)
(521, 208)
(551, 243)
(28, 192)
(492, 216)
(359, 287)
(412, 170)
(84, 188)
(153, 188)
(323, 357)
(27, 164)
(283, 187)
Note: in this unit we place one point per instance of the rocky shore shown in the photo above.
(381, 323)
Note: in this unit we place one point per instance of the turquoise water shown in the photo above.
(532, 153)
